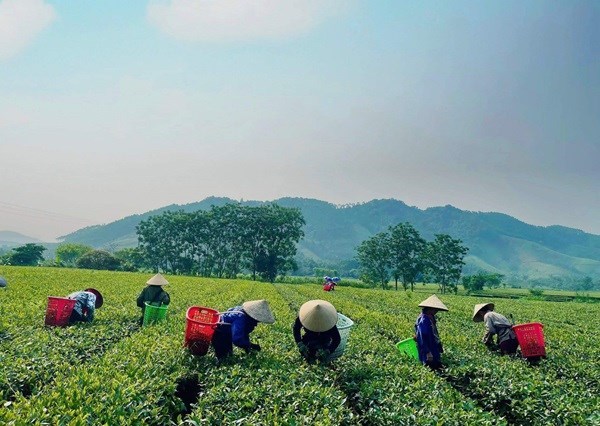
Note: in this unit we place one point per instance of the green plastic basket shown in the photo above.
(154, 314)
(408, 347)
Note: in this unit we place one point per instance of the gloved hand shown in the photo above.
(255, 346)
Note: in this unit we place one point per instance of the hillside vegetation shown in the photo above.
(497, 242)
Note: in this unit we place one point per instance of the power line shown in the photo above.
(19, 210)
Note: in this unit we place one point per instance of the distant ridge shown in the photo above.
(9, 238)
(497, 242)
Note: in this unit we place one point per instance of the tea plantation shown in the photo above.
(113, 372)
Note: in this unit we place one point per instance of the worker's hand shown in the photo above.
(323, 354)
(255, 346)
(429, 357)
(303, 349)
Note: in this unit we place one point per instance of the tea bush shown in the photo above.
(114, 372)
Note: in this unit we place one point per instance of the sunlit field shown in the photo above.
(114, 372)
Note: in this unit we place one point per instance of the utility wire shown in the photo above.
(19, 210)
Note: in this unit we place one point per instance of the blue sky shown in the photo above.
(113, 108)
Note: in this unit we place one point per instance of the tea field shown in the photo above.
(113, 372)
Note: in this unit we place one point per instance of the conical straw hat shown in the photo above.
(478, 308)
(433, 302)
(259, 310)
(158, 279)
(318, 315)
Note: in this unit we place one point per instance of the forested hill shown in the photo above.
(497, 242)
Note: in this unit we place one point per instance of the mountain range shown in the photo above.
(10, 238)
(497, 242)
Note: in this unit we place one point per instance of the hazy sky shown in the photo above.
(110, 108)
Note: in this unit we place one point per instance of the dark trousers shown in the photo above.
(509, 347)
(221, 340)
(76, 317)
(435, 364)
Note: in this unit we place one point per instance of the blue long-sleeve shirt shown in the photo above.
(84, 302)
(428, 339)
(241, 326)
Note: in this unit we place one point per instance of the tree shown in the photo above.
(281, 229)
(444, 258)
(585, 284)
(28, 255)
(268, 238)
(221, 241)
(406, 250)
(481, 279)
(373, 256)
(164, 241)
(150, 236)
(472, 283)
(68, 253)
(5, 259)
(98, 259)
(494, 280)
(225, 239)
(132, 259)
(252, 225)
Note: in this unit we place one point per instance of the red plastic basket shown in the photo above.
(200, 325)
(59, 311)
(531, 339)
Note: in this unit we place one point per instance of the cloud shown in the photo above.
(239, 20)
(20, 22)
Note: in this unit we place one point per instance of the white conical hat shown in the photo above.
(478, 308)
(433, 302)
(259, 310)
(158, 279)
(318, 315)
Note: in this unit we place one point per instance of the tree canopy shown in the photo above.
(98, 259)
(374, 257)
(444, 260)
(406, 253)
(402, 253)
(27, 255)
(223, 241)
(68, 253)
(481, 279)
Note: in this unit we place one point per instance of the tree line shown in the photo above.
(220, 242)
(402, 254)
(234, 239)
